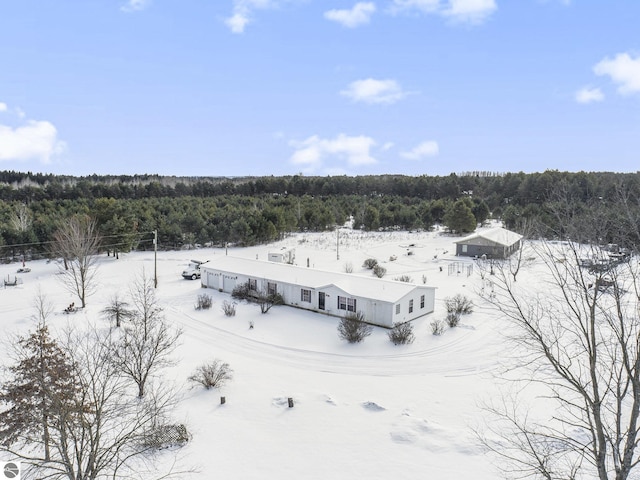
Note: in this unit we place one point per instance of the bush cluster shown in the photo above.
(353, 329)
(401, 334)
(229, 308)
(370, 263)
(379, 271)
(212, 375)
(204, 302)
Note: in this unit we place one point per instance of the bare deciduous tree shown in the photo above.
(117, 310)
(76, 242)
(68, 412)
(148, 340)
(578, 341)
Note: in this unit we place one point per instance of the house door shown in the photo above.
(321, 300)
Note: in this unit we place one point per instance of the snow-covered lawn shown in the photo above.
(371, 410)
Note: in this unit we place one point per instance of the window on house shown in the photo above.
(398, 309)
(305, 295)
(351, 304)
(272, 288)
(253, 284)
(411, 306)
(422, 301)
(464, 248)
(348, 304)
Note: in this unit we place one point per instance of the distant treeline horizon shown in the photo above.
(248, 210)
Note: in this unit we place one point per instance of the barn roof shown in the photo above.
(356, 285)
(495, 236)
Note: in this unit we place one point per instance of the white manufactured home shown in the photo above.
(382, 302)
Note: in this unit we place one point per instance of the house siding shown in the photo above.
(376, 311)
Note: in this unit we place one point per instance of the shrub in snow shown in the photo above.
(204, 302)
(424, 279)
(404, 278)
(379, 271)
(212, 375)
(242, 291)
(459, 304)
(353, 329)
(370, 263)
(268, 301)
(453, 319)
(348, 267)
(437, 327)
(401, 334)
(229, 308)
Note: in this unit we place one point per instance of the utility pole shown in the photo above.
(338, 243)
(155, 259)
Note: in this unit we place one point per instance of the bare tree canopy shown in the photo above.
(578, 342)
(68, 412)
(77, 242)
(147, 340)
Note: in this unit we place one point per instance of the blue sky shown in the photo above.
(319, 87)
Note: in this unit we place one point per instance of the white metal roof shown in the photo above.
(356, 285)
(498, 235)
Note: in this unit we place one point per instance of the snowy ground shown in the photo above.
(371, 410)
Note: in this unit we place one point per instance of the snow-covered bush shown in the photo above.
(204, 302)
(437, 327)
(348, 267)
(379, 271)
(242, 291)
(370, 263)
(459, 304)
(212, 375)
(401, 334)
(404, 278)
(229, 308)
(453, 319)
(353, 329)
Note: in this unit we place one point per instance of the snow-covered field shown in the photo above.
(371, 410)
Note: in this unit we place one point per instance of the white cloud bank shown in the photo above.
(374, 91)
(313, 152)
(426, 149)
(135, 5)
(589, 95)
(463, 11)
(360, 14)
(623, 70)
(33, 140)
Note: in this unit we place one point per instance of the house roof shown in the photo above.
(356, 285)
(495, 236)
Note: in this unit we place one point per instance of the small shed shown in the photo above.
(494, 243)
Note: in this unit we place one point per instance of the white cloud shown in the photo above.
(135, 5)
(589, 95)
(243, 12)
(371, 90)
(360, 14)
(35, 140)
(388, 146)
(623, 70)
(3, 107)
(425, 149)
(469, 11)
(315, 151)
(426, 6)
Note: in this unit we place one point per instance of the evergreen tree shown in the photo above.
(459, 217)
(41, 386)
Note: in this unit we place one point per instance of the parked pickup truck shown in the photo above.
(193, 269)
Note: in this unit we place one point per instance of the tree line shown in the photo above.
(250, 210)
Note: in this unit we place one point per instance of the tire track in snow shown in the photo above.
(463, 355)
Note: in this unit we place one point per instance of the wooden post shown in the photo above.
(223, 400)
(290, 402)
